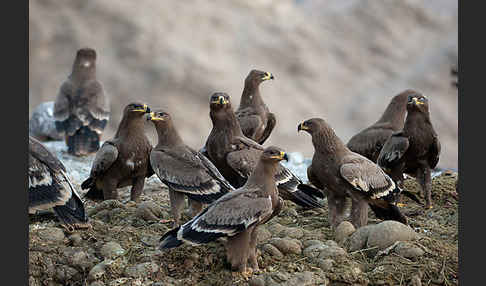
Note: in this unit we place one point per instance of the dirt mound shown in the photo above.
(122, 248)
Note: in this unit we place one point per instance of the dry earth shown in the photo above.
(297, 247)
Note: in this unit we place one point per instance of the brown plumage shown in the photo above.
(414, 150)
(236, 215)
(185, 171)
(369, 141)
(50, 187)
(236, 156)
(81, 109)
(256, 121)
(344, 173)
(123, 160)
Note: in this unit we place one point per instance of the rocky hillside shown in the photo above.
(342, 60)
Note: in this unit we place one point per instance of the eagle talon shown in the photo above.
(401, 205)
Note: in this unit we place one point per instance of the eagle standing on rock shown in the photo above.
(123, 160)
(236, 215)
(50, 187)
(185, 171)
(369, 141)
(414, 150)
(236, 156)
(344, 173)
(256, 121)
(81, 109)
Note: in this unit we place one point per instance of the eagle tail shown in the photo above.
(170, 240)
(93, 193)
(301, 197)
(387, 211)
(311, 191)
(85, 141)
(72, 213)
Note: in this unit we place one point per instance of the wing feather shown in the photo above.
(186, 171)
(393, 150)
(105, 157)
(367, 177)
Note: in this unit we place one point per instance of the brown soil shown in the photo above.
(68, 260)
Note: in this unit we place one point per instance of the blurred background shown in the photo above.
(341, 60)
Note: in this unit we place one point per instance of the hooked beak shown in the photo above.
(302, 127)
(282, 156)
(220, 100)
(415, 101)
(145, 109)
(153, 117)
(268, 76)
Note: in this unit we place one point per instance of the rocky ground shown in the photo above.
(296, 248)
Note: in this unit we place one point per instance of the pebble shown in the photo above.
(310, 242)
(301, 279)
(99, 269)
(51, 234)
(65, 273)
(111, 250)
(76, 239)
(358, 239)
(263, 234)
(97, 283)
(314, 250)
(287, 246)
(388, 232)
(141, 270)
(280, 276)
(78, 258)
(275, 228)
(328, 249)
(325, 264)
(273, 251)
(257, 281)
(343, 231)
(150, 211)
(332, 252)
(408, 250)
(292, 232)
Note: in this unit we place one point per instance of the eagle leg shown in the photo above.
(337, 207)
(137, 188)
(176, 205)
(237, 250)
(359, 211)
(252, 257)
(425, 181)
(109, 189)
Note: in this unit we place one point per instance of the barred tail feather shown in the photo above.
(85, 141)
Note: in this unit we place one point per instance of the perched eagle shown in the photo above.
(236, 156)
(236, 215)
(123, 160)
(81, 109)
(185, 171)
(344, 173)
(256, 121)
(414, 150)
(369, 141)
